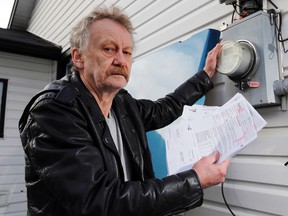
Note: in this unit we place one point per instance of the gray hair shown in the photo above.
(81, 31)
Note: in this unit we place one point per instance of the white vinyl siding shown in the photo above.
(26, 76)
(157, 23)
(257, 180)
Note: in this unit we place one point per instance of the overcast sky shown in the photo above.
(161, 72)
(5, 11)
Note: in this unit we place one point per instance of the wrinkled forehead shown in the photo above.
(111, 30)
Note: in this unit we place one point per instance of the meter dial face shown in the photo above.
(237, 59)
(230, 58)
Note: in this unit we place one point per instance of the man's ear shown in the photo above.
(77, 58)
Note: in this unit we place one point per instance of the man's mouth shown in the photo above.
(118, 72)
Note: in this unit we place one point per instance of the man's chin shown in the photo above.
(117, 84)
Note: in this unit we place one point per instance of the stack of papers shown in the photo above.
(205, 129)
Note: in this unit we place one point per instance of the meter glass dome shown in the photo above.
(237, 59)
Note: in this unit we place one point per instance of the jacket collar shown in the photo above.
(95, 109)
(87, 98)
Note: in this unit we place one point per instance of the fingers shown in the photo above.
(215, 156)
(215, 51)
(223, 169)
(209, 172)
(211, 60)
(224, 166)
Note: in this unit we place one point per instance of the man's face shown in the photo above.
(106, 63)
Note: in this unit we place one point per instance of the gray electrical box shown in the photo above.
(259, 30)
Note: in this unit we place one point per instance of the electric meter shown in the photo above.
(238, 59)
(248, 63)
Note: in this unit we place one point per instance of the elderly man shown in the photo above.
(84, 136)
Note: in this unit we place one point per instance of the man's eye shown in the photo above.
(127, 53)
(109, 49)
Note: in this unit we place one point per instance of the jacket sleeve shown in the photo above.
(57, 141)
(165, 110)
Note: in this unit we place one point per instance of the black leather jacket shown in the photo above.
(72, 165)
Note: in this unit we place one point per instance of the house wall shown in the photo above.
(257, 180)
(26, 76)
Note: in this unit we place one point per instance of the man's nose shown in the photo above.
(120, 59)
